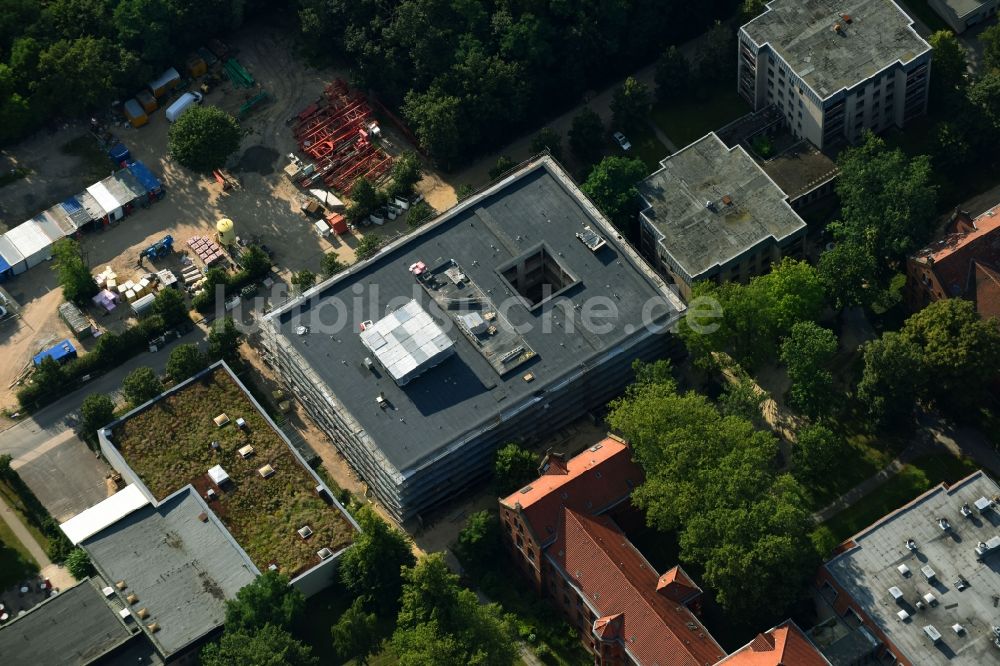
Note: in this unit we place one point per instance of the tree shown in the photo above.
(744, 399)
(513, 468)
(631, 104)
(892, 379)
(78, 564)
(255, 262)
(547, 139)
(611, 185)
(269, 646)
(712, 478)
(960, 352)
(268, 600)
(750, 9)
(990, 39)
(203, 138)
(141, 385)
(848, 274)
(888, 203)
(436, 120)
(503, 165)
(372, 566)
(365, 198)
(816, 454)
(331, 264)
(224, 341)
(807, 353)
(419, 213)
(586, 135)
(77, 283)
(479, 542)
(405, 174)
(985, 95)
(97, 411)
(673, 74)
(442, 623)
(715, 55)
(356, 634)
(185, 361)
(950, 65)
(368, 246)
(303, 279)
(170, 304)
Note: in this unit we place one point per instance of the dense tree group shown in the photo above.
(69, 57)
(468, 75)
(204, 137)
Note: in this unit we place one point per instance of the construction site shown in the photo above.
(308, 139)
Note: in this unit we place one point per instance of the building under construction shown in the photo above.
(510, 315)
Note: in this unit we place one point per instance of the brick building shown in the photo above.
(784, 645)
(964, 264)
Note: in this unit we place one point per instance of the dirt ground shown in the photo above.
(266, 205)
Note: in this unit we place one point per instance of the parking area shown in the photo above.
(65, 475)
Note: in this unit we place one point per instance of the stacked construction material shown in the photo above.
(337, 131)
(207, 249)
(237, 74)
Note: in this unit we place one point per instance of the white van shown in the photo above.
(183, 103)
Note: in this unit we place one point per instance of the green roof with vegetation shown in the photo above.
(169, 444)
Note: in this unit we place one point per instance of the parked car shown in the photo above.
(622, 141)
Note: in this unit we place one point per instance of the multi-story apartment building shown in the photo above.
(835, 69)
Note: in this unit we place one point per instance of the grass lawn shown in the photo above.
(646, 147)
(15, 562)
(693, 117)
(169, 445)
(921, 9)
(24, 514)
(865, 457)
(914, 479)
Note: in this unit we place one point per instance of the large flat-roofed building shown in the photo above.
(208, 444)
(835, 69)
(513, 276)
(711, 213)
(80, 626)
(178, 563)
(925, 579)
(963, 14)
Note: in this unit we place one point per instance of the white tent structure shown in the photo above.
(106, 200)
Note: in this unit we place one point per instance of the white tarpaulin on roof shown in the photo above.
(104, 199)
(104, 513)
(32, 242)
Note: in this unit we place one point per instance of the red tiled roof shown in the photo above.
(987, 291)
(951, 258)
(616, 579)
(677, 585)
(785, 645)
(592, 481)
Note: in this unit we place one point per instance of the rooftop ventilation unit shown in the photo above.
(218, 475)
(125, 615)
(221, 419)
(896, 593)
(265, 471)
(246, 451)
(966, 511)
(988, 546)
(131, 599)
(903, 570)
(324, 553)
(121, 585)
(591, 239)
(911, 544)
(241, 423)
(961, 583)
(203, 517)
(932, 633)
(958, 629)
(930, 599)
(305, 531)
(153, 628)
(108, 591)
(272, 567)
(142, 613)
(210, 494)
(847, 18)
(903, 616)
(944, 524)
(928, 572)
(983, 505)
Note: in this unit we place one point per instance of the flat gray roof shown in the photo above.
(868, 570)
(180, 563)
(76, 626)
(687, 206)
(482, 235)
(963, 8)
(801, 32)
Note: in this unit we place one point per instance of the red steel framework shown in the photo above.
(334, 132)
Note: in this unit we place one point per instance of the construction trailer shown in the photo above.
(11, 260)
(135, 114)
(60, 353)
(164, 83)
(31, 242)
(146, 99)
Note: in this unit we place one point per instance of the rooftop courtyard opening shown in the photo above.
(537, 276)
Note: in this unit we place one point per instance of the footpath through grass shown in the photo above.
(915, 478)
(16, 563)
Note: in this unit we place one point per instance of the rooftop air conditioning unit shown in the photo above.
(932, 633)
(903, 615)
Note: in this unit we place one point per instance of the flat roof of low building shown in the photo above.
(264, 497)
(76, 626)
(510, 253)
(179, 562)
(710, 204)
(963, 8)
(802, 32)
(879, 566)
(800, 169)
